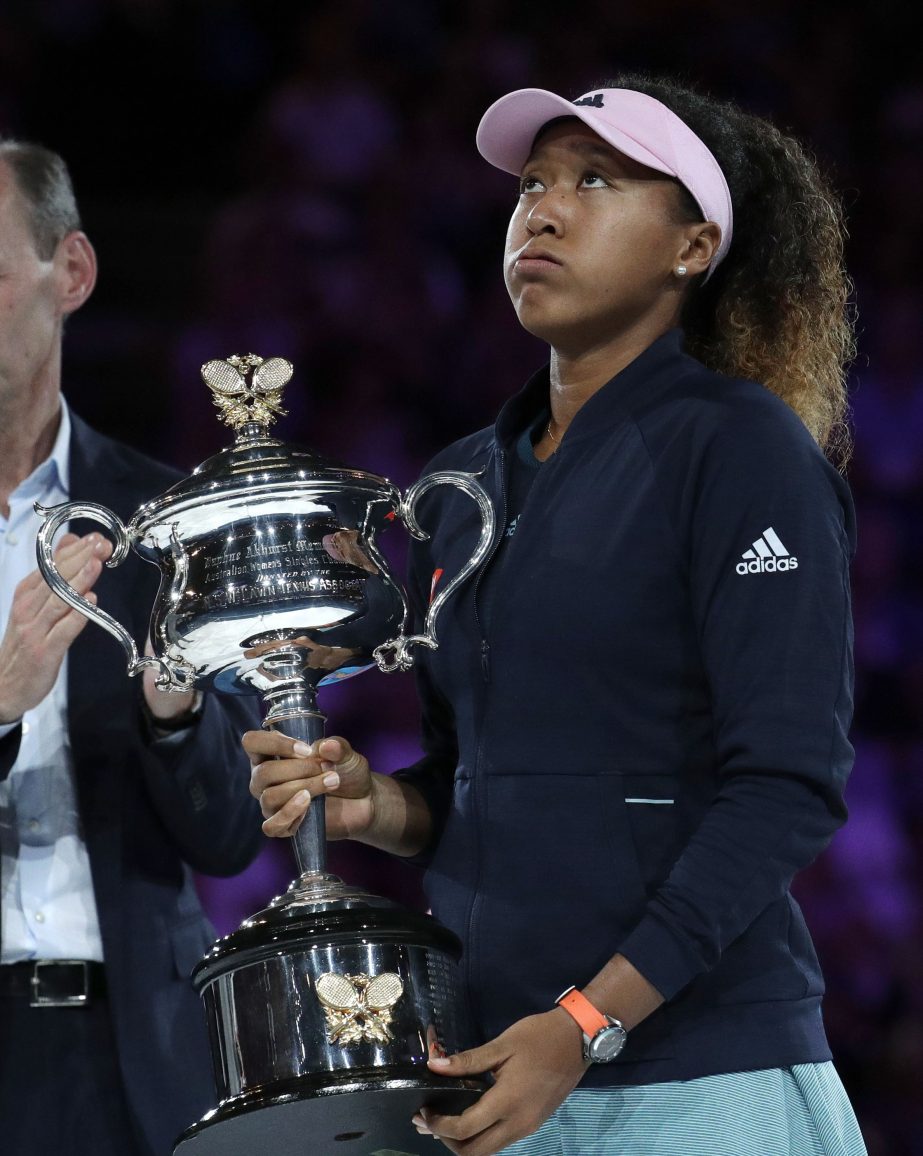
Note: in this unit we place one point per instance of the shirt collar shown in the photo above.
(650, 374)
(54, 471)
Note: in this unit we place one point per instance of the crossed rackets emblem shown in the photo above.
(359, 1007)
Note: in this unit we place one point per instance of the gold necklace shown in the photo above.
(550, 434)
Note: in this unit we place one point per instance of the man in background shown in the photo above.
(111, 792)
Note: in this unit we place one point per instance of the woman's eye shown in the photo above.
(594, 180)
(530, 185)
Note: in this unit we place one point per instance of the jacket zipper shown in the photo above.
(475, 795)
(501, 521)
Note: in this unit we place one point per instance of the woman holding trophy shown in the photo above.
(635, 723)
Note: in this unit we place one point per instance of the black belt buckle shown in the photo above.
(60, 983)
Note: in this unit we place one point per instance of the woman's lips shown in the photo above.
(535, 263)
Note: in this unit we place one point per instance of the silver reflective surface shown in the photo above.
(268, 548)
(268, 1023)
(272, 584)
(300, 567)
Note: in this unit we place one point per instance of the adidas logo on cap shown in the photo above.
(766, 555)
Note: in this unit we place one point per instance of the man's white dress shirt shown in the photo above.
(49, 909)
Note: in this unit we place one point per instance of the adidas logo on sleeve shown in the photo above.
(767, 555)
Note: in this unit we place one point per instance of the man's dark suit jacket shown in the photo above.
(151, 814)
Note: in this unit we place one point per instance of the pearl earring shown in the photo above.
(680, 270)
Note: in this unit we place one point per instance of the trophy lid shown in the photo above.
(247, 392)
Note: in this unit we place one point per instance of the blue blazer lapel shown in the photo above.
(103, 702)
(96, 663)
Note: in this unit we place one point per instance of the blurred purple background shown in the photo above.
(300, 179)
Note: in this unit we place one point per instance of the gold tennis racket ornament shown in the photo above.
(247, 389)
(358, 1007)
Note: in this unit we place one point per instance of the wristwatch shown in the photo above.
(603, 1036)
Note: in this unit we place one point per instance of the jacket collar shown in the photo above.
(651, 374)
(95, 470)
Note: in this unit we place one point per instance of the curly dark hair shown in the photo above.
(777, 309)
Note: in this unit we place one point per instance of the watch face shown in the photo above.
(606, 1044)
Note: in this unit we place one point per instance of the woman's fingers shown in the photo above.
(262, 745)
(281, 773)
(276, 795)
(276, 758)
(336, 754)
(287, 819)
(288, 773)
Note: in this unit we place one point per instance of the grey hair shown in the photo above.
(45, 184)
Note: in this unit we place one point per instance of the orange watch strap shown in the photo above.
(576, 1004)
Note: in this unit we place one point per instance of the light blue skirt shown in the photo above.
(799, 1111)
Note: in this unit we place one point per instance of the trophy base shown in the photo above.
(349, 1118)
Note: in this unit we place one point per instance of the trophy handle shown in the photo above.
(170, 677)
(394, 655)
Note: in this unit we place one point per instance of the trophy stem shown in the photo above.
(293, 711)
(310, 840)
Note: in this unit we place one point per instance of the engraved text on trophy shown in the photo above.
(280, 564)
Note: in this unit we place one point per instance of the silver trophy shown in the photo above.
(324, 1007)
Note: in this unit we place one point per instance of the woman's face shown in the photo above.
(593, 241)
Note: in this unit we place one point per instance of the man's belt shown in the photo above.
(54, 982)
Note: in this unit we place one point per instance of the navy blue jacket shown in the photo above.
(151, 814)
(650, 737)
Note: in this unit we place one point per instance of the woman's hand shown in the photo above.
(287, 774)
(536, 1064)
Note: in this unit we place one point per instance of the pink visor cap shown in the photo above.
(632, 122)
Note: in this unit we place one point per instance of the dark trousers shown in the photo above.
(61, 1093)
